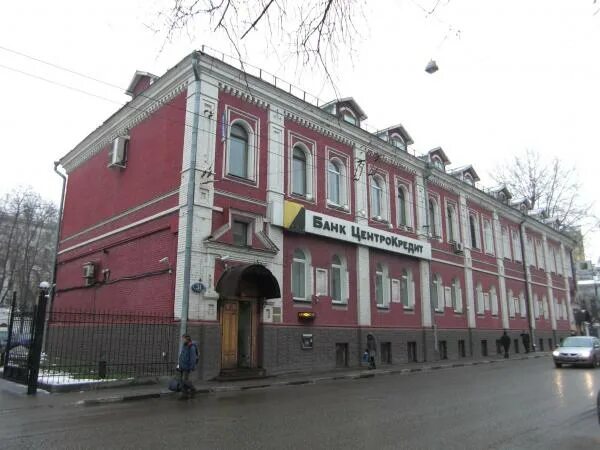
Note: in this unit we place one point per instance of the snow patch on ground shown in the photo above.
(65, 378)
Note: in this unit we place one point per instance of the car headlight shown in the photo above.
(555, 353)
(586, 353)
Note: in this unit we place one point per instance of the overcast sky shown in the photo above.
(523, 74)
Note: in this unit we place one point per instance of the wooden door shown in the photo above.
(229, 335)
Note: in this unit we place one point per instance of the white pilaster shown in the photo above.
(463, 215)
(425, 293)
(501, 273)
(526, 263)
(275, 200)
(201, 307)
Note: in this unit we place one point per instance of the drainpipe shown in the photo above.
(530, 314)
(52, 290)
(191, 187)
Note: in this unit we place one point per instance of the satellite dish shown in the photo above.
(431, 67)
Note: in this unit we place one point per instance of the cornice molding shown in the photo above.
(131, 114)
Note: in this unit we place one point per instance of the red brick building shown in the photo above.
(307, 231)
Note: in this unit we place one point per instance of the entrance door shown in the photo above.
(229, 335)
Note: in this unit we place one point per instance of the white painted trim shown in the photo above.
(121, 215)
(121, 229)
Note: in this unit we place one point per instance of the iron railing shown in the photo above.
(91, 347)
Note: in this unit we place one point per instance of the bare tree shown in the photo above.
(551, 187)
(27, 229)
(314, 31)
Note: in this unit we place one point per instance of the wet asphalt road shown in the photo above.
(516, 405)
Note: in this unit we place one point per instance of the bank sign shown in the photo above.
(303, 220)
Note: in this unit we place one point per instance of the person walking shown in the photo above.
(372, 349)
(526, 341)
(188, 360)
(505, 342)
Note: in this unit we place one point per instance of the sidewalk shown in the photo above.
(142, 392)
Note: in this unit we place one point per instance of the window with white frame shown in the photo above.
(398, 142)
(381, 283)
(396, 297)
(240, 157)
(546, 307)
(553, 260)
(516, 242)
(539, 254)
(300, 275)
(378, 198)
(437, 293)
(452, 223)
(404, 219)
(517, 305)
(486, 301)
(494, 301)
(321, 285)
(407, 288)
(480, 299)
(536, 306)
(339, 283)
(336, 182)
(456, 295)
(349, 116)
(437, 162)
(523, 306)
(474, 231)
(489, 236)
(434, 219)
(511, 303)
(299, 171)
(506, 243)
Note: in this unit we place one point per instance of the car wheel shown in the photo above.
(557, 365)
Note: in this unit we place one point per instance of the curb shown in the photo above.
(302, 381)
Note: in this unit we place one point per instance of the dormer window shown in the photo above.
(469, 179)
(502, 197)
(349, 117)
(398, 142)
(437, 163)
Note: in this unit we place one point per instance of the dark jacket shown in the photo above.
(505, 341)
(371, 344)
(188, 358)
(525, 337)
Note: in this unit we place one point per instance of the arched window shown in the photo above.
(379, 294)
(456, 296)
(479, 298)
(349, 117)
(473, 229)
(299, 172)
(398, 142)
(299, 271)
(437, 163)
(452, 223)
(433, 219)
(337, 280)
(239, 157)
(511, 303)
(489, 237)
(405, 282)
(336, 188)
(376, 197)
(436, 293)
(402, 216)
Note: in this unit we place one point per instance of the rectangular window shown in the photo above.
(341, 355)
(404, 291)
(506, 243)
(541, 349)
(396, 298)
(516, 345)
(486, 301)
(379, 289)
(484, 348)
(240, 233)
(462, 353)
(516, 241)
(443, 346)
(386, 353)
(321, 282)
(298, 280)
(489, 236)
(336, 284)
(412, 351)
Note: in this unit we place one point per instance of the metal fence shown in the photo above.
(90, 347)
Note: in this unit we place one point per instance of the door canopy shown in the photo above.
(248, 280)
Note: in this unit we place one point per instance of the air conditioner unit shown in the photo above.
(89, 273)
(118, 154)
(458, 248)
